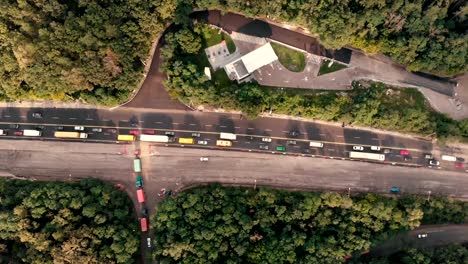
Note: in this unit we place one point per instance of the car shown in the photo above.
(394, 189)
(249, 138)
(97, 129)
(79, 128)
(169, 133)
(139, 181)
(375, 148)
(134, 124)
(144, 211)
(18, 133)
(60, 128)
(202, 142)
(459, 165)
(148, 132)
(134, 132)
(404, 152)
(433, 162)
(112, 130)
(203, 158)
(387, 151)
(422, 235)
(14, 126)
(37, 115)
(294, 133)
(281, 148)
(407, 158)
(264, 147)
(291, 142)
(266, 139)
(428, 156)
(197, 135)
(148, 242)
(306, 151)
(40, 127)
(358, 148)
(2, 132)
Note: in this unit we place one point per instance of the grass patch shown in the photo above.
(220, 78)
(324, 69)
(211, 37)
(292, 60)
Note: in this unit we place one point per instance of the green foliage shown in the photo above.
(212, 36)
(325, 68)
(238, 225)
(292, 60)
(54, 222)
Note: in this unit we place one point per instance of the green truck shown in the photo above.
(139, 181)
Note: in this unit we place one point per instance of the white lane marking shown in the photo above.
(285, 131)
(123, 120)
(72, 118)
(223, 126)
(269, 130)
(251, 128)
(23, 116)
(158, 122)
(89, 119)
(374, 138)
(175, 123)
(208, 125)
(141, 122)
(6, 116)
(338, 136)
(247, 142)
(237, 127)
(357, 137)
(193, 124)
(55, 117)
(330, 149)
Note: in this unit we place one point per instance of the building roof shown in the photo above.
(259, 58)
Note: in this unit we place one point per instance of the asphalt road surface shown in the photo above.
(436, 236)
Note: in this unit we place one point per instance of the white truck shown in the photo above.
(229, 136)
(32, 133)
(2, 132)
(364, 155)
(316, 144)
(448, 158)
(156, 138)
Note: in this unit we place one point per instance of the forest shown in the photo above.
(368, 104)
(56, 222)
(245, 225)
(95, 51)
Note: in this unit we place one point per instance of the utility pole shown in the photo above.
(349, 191)
(255, 184)
(429, 195)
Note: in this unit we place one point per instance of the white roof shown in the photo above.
(259, 58)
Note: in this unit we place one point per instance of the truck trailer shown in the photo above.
(65, 134)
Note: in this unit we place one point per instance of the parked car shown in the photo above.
(428, 156)
(14, 126)
(294, 133)
(148, 242)
(203, 158)
(394, 189)
(266, 139)
(459, 165)
(387, 151)
(149, 132)
(197, 135)
(422, 235)
(169, 133)
(79, 128)
(249, 138)
(112, 130)
(134, 124)
(37, 115)
(202, 142)
(375, 148)
(262, 146)
(404, 152)
(134, 132)
(306, 151)
(358, 148)
(40, 127)
(291, 142)
(18, 133)
(144, 211)
(433, 162)
(97, 129)
(281, 148)
(60, 128)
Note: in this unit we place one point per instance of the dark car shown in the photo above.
(37, 115)
(306, 151)
(14, 126)
(197, 135)
(169, 133)
(40, 127)
(293, 133)
(144, 211)
(395, 190)
(59, 128)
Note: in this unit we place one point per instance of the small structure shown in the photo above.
(250, 62)
(208, 72)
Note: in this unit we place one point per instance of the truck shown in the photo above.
(144, 224)
(125, 137)
(229, 136)
(137, 165)
(2, 132)
(141, 196)
(32, 133)
(156, 138)
(315, 144)
(65, 134)
(186, 140)
(223, 143)
(365, 155)
(448, 158)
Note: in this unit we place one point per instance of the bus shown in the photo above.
(155, 138)
(364, 155)
(144, 224)
(186, 140)
(137, 165)
(126, 138)
(65, 134)
(229, 136)
(223, 143)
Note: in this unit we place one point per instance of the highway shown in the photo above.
(338, 141)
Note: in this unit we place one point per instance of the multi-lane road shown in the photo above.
(338, 141)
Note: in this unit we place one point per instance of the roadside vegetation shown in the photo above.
(232, 225)
(325, 67)
(292, 60)
(451, 254)
(95, 51)
(56, 222)
(368, 104)
(212, 36)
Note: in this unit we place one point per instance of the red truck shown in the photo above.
(140, 196)
(144, 224)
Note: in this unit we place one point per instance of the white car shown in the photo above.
(203, 158)
(359, 148)
(2, 132)
(434, 162)
(202, 142)
(422, 235)
(148, 241)
(375, 148)
(266, 139)
(79, 128)
(97, 129)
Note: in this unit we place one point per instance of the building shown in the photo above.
(250, 62)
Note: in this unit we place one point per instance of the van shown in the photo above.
(316, 144)
(448, 158)
(281, 148)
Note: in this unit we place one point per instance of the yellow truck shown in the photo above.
(223, 143)
(186, 140)
(65, 134)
